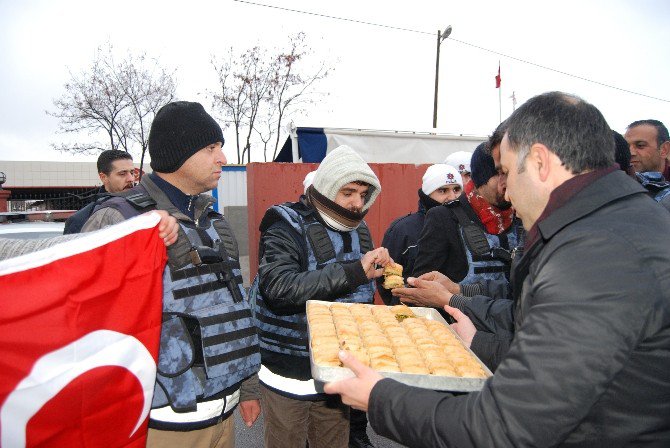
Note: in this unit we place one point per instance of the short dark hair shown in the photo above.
(496, 138)
(106, 158)
(621, 151)
(570, 127)
(661, 131)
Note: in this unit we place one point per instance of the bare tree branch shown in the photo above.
(119, 99)
(258, 91)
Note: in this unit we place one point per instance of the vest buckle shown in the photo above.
(204, 255)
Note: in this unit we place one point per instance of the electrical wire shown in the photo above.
(524, 61)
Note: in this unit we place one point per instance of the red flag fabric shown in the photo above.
(498, 79)
(79, 335)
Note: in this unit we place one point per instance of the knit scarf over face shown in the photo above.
(426, 202)
(495, 220)
(334, 216)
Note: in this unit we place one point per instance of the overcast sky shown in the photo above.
(384, 77)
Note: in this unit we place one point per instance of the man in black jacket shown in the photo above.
(117, 173)
(589, 361)
(316, 249)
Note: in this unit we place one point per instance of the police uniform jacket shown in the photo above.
(288, 286)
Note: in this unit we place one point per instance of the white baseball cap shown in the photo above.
(460, 160)
(439, 175)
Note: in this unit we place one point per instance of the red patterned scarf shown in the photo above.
(495, 220)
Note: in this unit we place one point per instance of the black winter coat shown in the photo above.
(440, 247)
(75, 222)
(591, 354)
(494, 320)
(287, 285)
(401, 240)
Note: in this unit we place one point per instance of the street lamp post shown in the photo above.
(441, 36)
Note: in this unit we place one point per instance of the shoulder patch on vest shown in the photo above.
(227, 238)
(139, 200)
(320, 241)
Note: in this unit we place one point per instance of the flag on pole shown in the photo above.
(79, 335)
(498, 79)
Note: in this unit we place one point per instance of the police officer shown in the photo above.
(317, 248)
(209, 348)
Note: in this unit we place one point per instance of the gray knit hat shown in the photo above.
(341, 166)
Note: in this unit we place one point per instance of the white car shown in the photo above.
(28, 230)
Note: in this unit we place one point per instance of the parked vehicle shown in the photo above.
(31, 230)
(33, 224)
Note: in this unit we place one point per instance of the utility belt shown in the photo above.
(207, 413)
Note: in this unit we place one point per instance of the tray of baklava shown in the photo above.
(414, 345)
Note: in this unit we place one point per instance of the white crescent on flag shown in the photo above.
(55, 370)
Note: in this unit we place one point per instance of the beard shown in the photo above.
(502, 204)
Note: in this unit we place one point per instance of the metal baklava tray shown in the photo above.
(436, 382)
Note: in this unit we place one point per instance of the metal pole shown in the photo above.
(500, 104)
(437, 77)
(499, 96)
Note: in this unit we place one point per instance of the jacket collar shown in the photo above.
(652, 180)
(602, 191)
(163, 201)
(613, 186)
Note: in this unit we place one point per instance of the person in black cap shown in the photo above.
(209, 353)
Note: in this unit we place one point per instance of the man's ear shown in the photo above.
(539, 159)
(103, 177)
(665, 149)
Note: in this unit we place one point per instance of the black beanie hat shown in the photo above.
(179, 130)
(482, 165)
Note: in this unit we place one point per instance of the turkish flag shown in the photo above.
(79, 335)
(498, 79)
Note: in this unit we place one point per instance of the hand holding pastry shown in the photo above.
(374, 258)
(354, 391)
